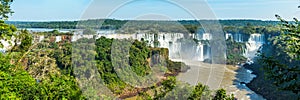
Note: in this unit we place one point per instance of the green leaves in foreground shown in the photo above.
(15, 84)
(18, 84)
(6, 31)
(281, 66)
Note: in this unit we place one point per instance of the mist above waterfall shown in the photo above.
(254, 44)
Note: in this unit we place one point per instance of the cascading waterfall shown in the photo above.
(203, 50)
(199, 52)
(207, 52)
(57, 38)
(206, 36)
(166, 40)
(162, 41)
(253, 45)
(238, 37)
(174, 51)
(75, 37)
(41, 38)
(228, 35)
(177, 50)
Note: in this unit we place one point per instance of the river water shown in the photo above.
(231, 78)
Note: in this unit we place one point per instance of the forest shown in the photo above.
(116, 24)
(47, 70)
(50, 70)
(71, 69)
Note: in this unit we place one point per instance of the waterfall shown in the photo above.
(75, 37)
(253, 45)
(206, 36)
(41, 38)
(57, 38)
(228, 35)
(238, 37)
(256, 38)
(163, 43)
(207, 52)
(175, 51)
(178, 49)
(199, 52)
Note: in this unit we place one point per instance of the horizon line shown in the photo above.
(141, 20)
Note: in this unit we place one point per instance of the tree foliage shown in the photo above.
(235, 51)
(221, 95)
(6, 31)
(199, 92)
(45, 70)
(5, 9)
(285, 73)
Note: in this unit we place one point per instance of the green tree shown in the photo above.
(221, 95)
(15, 83)
(138, 58)
(6, 31)
(167, 86)
(5, 9)
(25, 38)
(284, 72)
(199, 92)
(59, 87)
(235, 51)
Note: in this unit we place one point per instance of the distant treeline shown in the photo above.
(116, 24)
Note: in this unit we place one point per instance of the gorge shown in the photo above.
(193, 49)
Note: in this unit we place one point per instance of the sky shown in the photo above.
(68, 10)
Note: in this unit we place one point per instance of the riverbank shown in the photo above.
(234, 81)
(264, 87)
(172, 72)
(229, 77)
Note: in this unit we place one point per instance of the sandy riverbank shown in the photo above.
(232, 85)
(228, 77)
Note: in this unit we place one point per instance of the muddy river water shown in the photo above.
(232, 78)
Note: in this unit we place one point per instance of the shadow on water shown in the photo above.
(265, 87)
(243, 77)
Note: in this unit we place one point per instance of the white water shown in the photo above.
(238, 37)
(199, 53)
(7, 45)
(196, 52)
(202, 52)
(193, 51)
(253, 45)
(228, 35)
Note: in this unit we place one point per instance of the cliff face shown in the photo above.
(161, 56)
(263, 86)
(195, 47)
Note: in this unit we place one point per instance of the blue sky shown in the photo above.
(57, 10)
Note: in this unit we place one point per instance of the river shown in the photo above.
(231, 78)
